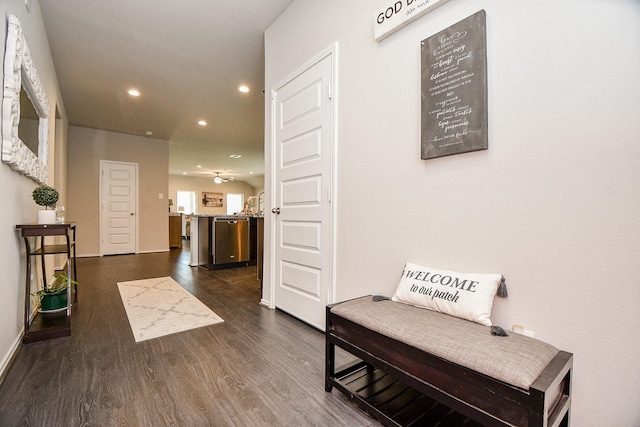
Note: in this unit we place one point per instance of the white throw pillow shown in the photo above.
(464, 295)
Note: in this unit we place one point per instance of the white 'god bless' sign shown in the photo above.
(399, 13)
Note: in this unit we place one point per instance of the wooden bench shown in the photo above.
(404, 373)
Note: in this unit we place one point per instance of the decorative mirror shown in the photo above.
(25, 133)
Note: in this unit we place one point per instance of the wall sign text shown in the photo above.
(399, 13)
(454, 89)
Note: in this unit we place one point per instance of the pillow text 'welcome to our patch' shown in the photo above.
(465, 295)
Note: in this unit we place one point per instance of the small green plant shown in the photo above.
(59, 284)
(45, 196)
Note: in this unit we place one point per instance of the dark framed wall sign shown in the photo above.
(212, 200)
(454, 89)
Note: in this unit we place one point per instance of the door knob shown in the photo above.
(276, 211)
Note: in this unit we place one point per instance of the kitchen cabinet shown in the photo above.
(175, 230)
(260, 249)
(253, 240)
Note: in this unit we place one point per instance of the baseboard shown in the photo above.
(265, 303)
(139, 252)
(11, 356)
(15, 348)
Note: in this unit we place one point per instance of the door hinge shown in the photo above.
(330, 91)
(329, 195)
(274, 95)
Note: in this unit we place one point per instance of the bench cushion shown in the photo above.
(465, 295)
(517, 359)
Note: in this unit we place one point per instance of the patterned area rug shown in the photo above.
(160, 306)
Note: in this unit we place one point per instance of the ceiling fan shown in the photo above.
(219, 180)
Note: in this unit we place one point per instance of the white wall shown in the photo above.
(553, 204)
(87, 147)
(15, 190)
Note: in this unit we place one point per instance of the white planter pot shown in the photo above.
(47, 217)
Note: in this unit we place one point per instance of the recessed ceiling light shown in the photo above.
(184, 173)
(133, 92)
(243, 89)
(202, 123)
(235, 156)
(198, 166)
(148, 133)
(250, 173)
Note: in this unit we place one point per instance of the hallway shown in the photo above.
(260, 367)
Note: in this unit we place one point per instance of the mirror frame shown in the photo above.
(20, 71)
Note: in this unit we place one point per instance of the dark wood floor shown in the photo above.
(260, 367)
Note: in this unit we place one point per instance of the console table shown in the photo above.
(48, 325)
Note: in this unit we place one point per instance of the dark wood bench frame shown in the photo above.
(485, 400)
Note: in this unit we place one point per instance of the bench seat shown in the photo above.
(514, 380)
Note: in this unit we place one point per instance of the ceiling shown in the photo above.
(187, 58)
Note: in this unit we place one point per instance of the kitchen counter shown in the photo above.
(200, 246)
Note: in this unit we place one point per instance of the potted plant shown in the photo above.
(46, 196)
(54, 296)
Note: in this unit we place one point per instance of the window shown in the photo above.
(187, 202)
(235, 203)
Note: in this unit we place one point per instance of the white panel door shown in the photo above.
(303, 138)
(118, 196)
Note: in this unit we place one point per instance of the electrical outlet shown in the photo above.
(519, 329)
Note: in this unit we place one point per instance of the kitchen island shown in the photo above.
(223, 241)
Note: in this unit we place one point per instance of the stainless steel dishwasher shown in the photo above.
(230, 241)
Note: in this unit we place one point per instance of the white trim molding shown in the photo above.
(20, 72)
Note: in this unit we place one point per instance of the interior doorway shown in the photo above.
(302, 114)
(118, 208)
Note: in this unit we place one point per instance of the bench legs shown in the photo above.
(330, 369)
